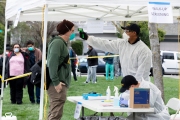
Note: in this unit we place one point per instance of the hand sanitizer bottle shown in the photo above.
(108, 94)
(116, 97)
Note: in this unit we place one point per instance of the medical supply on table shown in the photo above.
(116, 97)
(108, 94)
(123, 101)
(139, 97)
(90, 94)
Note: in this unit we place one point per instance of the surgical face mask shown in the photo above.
(16, 50)
(30, 48)
(125, 36)
(72, 36)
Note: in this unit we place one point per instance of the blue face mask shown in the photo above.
(72, 36)
(16, 50)
(30, 48)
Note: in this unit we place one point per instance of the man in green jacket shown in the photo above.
(58, 63)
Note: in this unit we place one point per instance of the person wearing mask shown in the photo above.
(135, 56)
(109, 66)
(35, 55)
(16, 64)
(73, 62)
(156, 101)
(92, 65)
(59, 68)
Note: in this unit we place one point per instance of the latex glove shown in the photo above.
(59, 87)
(83, 35)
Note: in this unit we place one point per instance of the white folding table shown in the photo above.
(98, 105)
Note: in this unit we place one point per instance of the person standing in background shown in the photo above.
(73, 62)
(35, 55)
(92, 65)
(109, 66)
(17, 63)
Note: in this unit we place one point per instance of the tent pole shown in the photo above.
(3, 71)
(43, 63)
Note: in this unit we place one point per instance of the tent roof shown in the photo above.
(81, 10)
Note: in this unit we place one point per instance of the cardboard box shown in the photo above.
(139, 98)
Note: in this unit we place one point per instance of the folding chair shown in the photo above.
(174, 104)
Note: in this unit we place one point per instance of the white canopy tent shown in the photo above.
(76, 10)
(79, 10)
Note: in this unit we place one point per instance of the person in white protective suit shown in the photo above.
(135, 56)
(156, 102)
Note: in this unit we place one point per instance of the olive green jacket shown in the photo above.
(58, 55)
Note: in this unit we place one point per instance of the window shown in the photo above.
(178, 56)
(169, 56)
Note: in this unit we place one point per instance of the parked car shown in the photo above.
(170, 62)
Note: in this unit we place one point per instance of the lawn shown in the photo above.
(28, 111)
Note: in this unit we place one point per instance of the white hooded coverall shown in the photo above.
(135, 58)
(156, 102)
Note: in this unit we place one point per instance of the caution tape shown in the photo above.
(78, 57)
(16, 77)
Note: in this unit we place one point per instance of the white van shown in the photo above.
(170, 62)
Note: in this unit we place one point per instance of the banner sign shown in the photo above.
(160, 12)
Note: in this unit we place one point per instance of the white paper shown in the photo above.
(77, 111)
(160, 12)
(17, 18)
(94, 26)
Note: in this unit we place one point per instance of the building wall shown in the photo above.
(170, 29)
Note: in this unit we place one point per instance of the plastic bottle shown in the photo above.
(116, 97)
(108, 94)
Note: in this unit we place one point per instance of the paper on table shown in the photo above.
(98, 97)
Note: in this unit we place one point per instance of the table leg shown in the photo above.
(133, 115)
(82, 111)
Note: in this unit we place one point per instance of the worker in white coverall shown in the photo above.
(156, 102)
(135, 56)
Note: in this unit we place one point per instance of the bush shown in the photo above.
(77, 46)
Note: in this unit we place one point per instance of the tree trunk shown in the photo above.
(156, 59)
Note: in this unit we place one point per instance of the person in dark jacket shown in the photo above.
(72, 54)
(35, 56)
(109, 66)
(92, 65)
(16, 64)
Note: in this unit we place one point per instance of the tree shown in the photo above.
(1, 38)
(157, 65)
(2, 23)
(31, 31)
(36, 29)
(2, 12)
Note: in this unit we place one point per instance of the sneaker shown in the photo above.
(95, 82)
(85, 82)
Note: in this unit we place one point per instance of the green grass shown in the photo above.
(28, 111)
